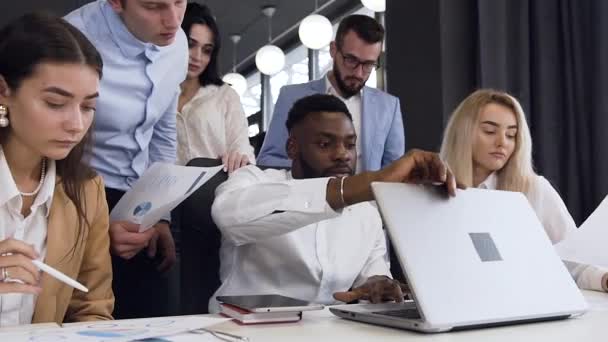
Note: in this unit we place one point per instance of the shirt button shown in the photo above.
(306, 205)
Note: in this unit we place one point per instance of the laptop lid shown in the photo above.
(478, 258)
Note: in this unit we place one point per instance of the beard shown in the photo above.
(310, 172)
(346, 90)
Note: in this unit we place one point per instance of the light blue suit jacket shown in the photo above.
(382, 132)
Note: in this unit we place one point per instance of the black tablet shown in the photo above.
(269, 303)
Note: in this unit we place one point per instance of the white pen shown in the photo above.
(59, 276)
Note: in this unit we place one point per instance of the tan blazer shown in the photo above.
(89, 262)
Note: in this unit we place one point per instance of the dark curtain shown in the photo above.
(551, 54)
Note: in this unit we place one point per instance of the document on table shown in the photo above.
(115, 331)
(589, 244)
(28, 327)
(159, 190)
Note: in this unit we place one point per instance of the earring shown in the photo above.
(3, 119)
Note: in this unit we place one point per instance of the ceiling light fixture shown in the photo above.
(269, 59)
(315, 30)
(375, 5)
(236, 80)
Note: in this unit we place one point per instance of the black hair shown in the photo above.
(366, 28)
(38, 38)
(41, 37)
(315, 104)
(200, 14)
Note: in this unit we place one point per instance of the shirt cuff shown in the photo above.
(307, 196)
(591, 278)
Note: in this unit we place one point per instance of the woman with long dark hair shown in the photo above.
(211, 122)
(52, 205)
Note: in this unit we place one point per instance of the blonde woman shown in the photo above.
(487, 144)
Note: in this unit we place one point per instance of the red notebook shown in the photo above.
(244, 316)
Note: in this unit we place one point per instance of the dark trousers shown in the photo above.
(140, 290)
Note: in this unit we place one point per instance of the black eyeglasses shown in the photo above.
(353, 63)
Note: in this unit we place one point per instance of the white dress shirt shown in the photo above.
(15, 308)
(212, 124)
(280, 236)
(558, 223)
(355, 107)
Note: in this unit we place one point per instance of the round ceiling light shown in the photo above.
(236, 81)
(375, 5)
(315, 31)
(270, 59)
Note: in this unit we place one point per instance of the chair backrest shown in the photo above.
(200, 242)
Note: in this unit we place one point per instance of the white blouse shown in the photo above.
(212, 124)
(557, 221)
(16, 308)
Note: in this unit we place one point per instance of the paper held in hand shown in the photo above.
(588, 244)
(158, 191)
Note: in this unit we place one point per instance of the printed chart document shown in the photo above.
(159, 190)
(588, 245)
(115, 331)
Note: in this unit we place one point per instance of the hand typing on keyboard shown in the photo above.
(376, 289)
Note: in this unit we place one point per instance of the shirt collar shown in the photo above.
(129, 45)
(489, 183)
(329, 89)
(9, 191)
(8, 188)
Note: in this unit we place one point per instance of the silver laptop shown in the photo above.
(479, 259)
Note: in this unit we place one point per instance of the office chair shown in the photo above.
(200, 241)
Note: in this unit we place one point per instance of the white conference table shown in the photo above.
(324, 326)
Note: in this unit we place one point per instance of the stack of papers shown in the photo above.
(589, 244)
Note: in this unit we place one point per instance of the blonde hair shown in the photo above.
(457, 145)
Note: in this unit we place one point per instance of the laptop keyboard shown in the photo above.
(401, 313)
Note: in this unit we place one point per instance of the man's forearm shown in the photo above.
(353, 190)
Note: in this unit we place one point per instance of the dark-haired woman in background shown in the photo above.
(52, 205)
(210, 120)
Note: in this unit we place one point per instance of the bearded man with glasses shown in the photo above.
(376, 115)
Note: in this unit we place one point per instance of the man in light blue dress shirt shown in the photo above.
(145, 55)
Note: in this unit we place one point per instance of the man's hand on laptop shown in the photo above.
(416, 166)
(376, 289)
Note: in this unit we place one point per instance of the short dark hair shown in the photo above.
(200, 14)
(315, 104)
(366, 27)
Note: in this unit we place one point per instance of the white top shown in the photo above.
(212, 124)
(558, 223)
(281, 236)
(355, 107)
(16, 309)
